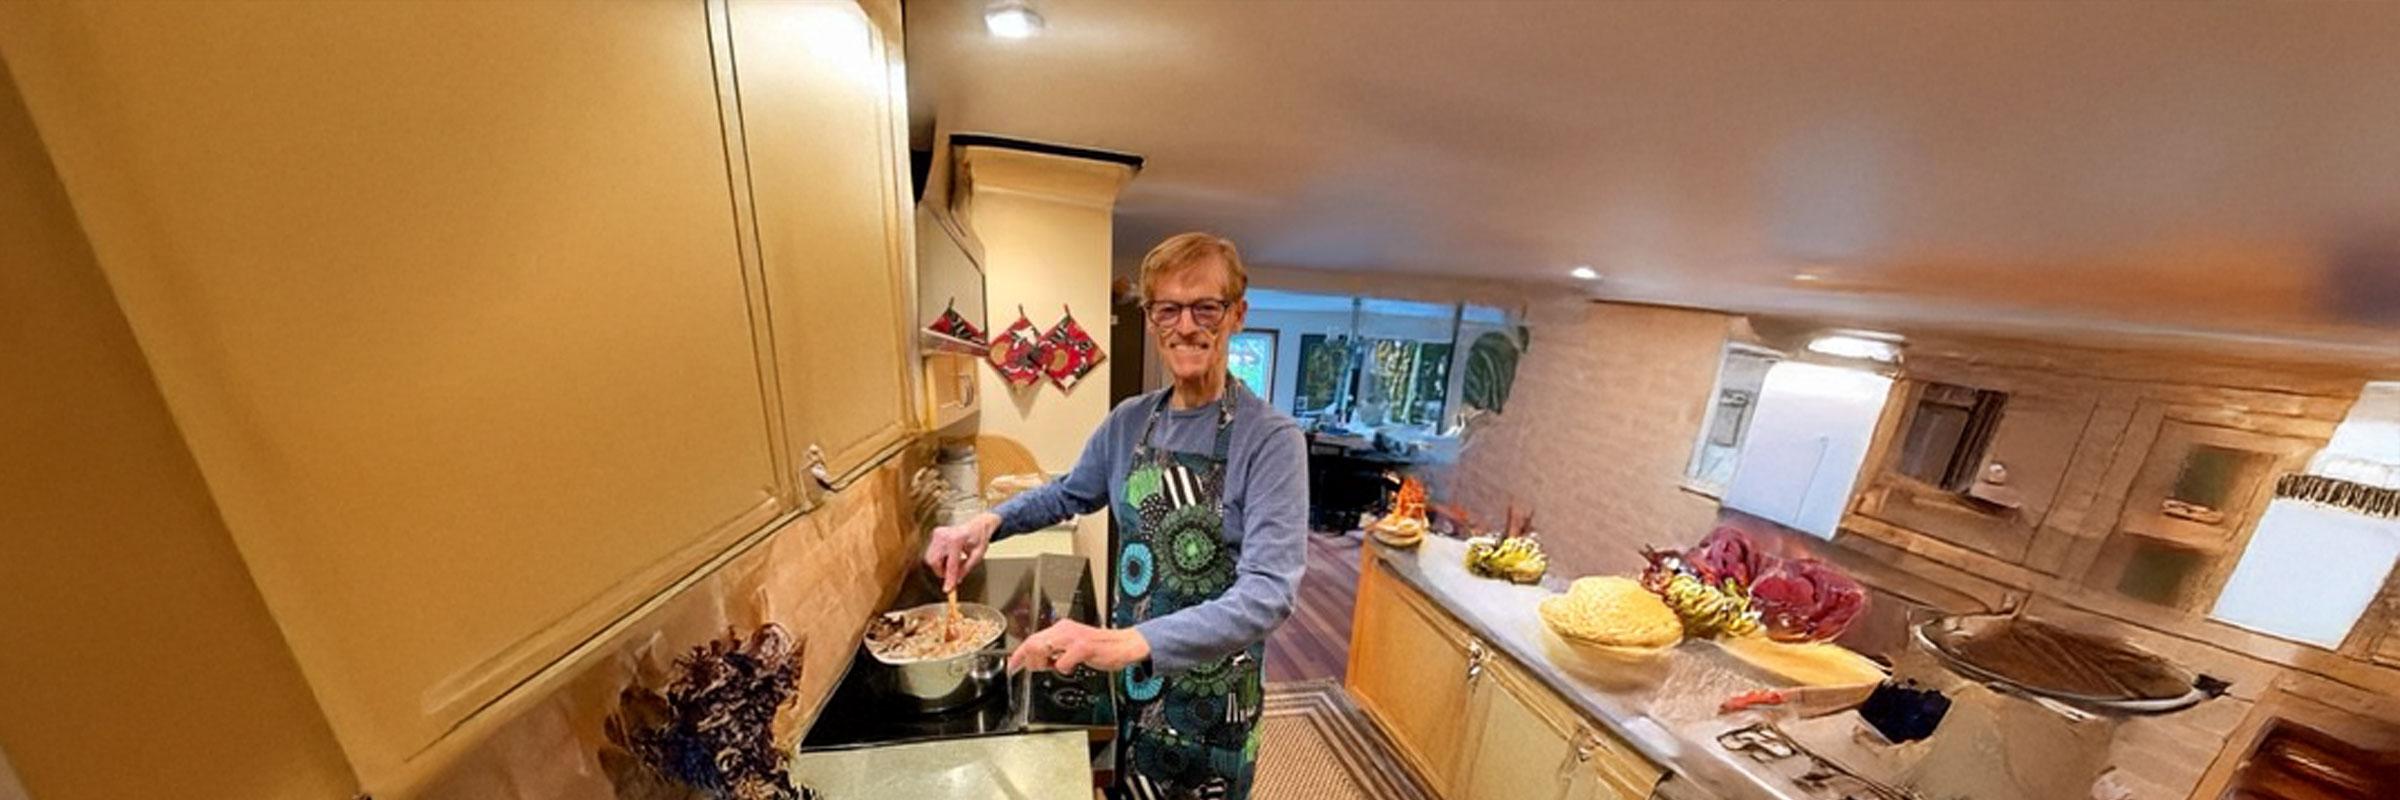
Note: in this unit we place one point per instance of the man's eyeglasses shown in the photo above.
(1205, 313)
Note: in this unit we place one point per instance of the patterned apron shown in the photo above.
(1192, 734)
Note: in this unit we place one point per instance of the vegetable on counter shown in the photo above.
(1805, 701)
(1517, 560)
(1724, 586)
(1710, 611)
(1515, 556)
(1806, 601)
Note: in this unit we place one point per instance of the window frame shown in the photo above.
(1274, 357)
(1693, 481)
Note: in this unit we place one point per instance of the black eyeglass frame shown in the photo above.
(1164, 314)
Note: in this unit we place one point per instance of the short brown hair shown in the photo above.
(1185, 249)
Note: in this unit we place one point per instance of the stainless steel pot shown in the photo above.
(940, 684)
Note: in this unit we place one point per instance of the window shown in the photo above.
(1407, 383)
(1740, 374)
(1368, 363)
(1251, 358)
(1324, 373)
(1946, 436)
(2324, 553)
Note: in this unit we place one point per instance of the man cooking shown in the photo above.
(1209, 485)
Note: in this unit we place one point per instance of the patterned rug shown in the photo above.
(1317, 746)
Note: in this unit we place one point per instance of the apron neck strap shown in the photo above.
(1224, 419)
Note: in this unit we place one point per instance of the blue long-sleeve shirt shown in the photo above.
(1266, 515)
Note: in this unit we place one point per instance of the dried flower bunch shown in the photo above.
(711, 736)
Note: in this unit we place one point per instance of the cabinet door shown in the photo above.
(1806, 442)
(819, 91)
(446, 301)
(1409, 671)
(1519, 754)
(2035, 441)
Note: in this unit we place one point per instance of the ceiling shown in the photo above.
(2226, 171)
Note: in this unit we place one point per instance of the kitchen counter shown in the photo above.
(1032, 766)
(1666, 709)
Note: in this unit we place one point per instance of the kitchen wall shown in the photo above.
(1044, 222)
(140, 661)
(1597, 432)
(1601, 425)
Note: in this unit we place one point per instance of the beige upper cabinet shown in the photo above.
(821, 115)
(447, 301)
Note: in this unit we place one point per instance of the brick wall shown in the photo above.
(1597, 432)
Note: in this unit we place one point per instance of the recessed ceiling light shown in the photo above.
(1012, 19)
(1807, 277)
(1585, 273)
(1856, 347)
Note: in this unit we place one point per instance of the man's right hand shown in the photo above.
(955, 549)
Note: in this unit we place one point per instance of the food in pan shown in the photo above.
(928, 633)
(1612, 611)
(2057, 661)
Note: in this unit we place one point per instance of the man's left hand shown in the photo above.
(1069, 644)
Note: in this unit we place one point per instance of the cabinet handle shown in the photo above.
(1476, 655)
(817, 468)
(1586, 746)
(1574, 759)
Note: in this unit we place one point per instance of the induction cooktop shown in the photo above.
(1032, 593)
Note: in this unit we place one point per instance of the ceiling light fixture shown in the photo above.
(1012, 19)
(1807, 277)
(1842, 346)
(1585, 273)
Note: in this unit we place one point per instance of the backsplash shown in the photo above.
(819, 577)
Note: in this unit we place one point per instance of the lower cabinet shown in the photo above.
(1472, 723)
(1410, 667)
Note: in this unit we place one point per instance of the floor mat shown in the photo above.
(1317, 746)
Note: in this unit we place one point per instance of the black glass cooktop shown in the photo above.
(1032, 593)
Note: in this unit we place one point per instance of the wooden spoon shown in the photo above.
(950, 623)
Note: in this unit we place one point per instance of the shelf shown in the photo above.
(934, 344)
(2182, 535)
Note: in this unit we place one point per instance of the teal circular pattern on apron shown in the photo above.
(1134, 569)
(1143, 688)
(1195, 563)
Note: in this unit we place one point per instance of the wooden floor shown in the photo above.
(1315, 642)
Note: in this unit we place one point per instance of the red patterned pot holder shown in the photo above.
(1068, 353)
(1014, 352)
(953, 332)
